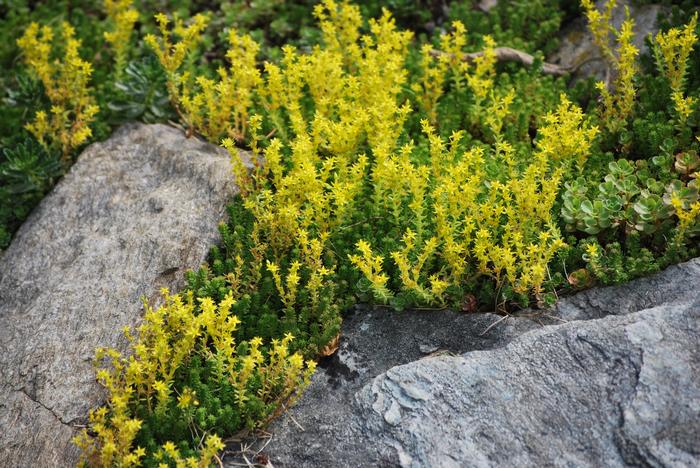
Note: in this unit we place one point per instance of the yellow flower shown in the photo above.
(171, 449)
(187, 398)
(592, 250)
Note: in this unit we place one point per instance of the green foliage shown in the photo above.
(141, 94)
(525, 25)
(27, 172)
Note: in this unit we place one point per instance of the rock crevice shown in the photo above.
(50, 410)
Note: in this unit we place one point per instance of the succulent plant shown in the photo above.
(651, 213)
(686, 163)
(142, 94)
(27, 172)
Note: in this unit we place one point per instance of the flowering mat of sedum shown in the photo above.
(416, 161)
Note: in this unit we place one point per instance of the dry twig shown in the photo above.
(507, 54)
(493, 325)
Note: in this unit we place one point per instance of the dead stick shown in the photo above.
(494, 324)
(507, 54)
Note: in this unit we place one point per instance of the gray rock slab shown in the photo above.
(677, 284)
(612, 392)
(130, 217)
(610, 377)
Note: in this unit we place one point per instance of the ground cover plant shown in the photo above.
(400, 168)
(128, 84)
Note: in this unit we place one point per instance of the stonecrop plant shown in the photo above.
(173, 55)
(671, 50)
(618, 104)
(484, 213)
(123, 17)
(66, 81)
(188, 384)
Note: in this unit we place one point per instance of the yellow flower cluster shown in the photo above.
(410, 271)
(494, 116)
(432, 82)
(688, 215)
(340, 24)
(453, 44)
(123, 17)
(481, 80)
(592, 255)
(617, 105)
(287, 290)
(313, 174)
(220, 108)
(66, 82)
(435, 67)
(172, 55)
(599, 24)
(168, 338)
(672, 50)
(566, 134)
(371, 266)
(354, 89)
(488, 109)
(501, 228)
(211, 446)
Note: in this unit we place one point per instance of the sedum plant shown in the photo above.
(334, 145)
(468, 224)
(162, 408)
(122, 16)
(220, 108)
(66, 83)
(671, 51)
(311, 184)
(172, 55)
(618, 104)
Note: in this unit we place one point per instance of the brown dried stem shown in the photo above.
(508, 54)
